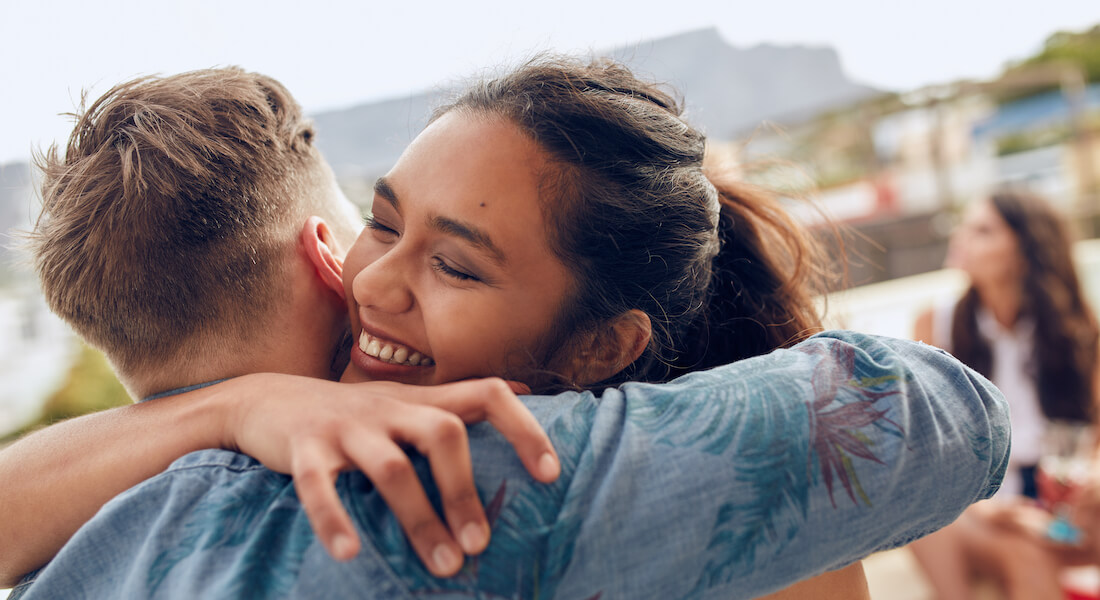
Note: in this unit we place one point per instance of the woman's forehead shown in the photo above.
(467, 154)
(479, 171)
(983, 212)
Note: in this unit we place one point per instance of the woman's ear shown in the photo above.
(603, 353)
(323, 251)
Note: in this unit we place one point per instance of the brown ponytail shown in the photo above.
(762, 284)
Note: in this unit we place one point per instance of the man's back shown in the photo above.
(728, 483)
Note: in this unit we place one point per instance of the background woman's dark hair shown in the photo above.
(636, 217)
(1066, 332)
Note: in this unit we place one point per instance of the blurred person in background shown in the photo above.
(1025, 324)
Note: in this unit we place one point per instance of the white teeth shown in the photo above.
(373, 348)
(400, 355)
(391, 353)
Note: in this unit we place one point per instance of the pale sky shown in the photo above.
(338, 53)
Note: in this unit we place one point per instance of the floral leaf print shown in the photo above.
(771, 464)
(835, 423)
(492, 511)
(275, 535)
(844, 419)
(532, 535)
(980, 443)
(675, 422)
(539, 521)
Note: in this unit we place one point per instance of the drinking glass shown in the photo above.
(1065, 453)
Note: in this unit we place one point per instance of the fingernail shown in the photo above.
(473, 538)
(343, 547)
(549, 467)
(446, 561)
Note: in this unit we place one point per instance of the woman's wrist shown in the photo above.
(225, 405)
(228, 409)
(208, 416)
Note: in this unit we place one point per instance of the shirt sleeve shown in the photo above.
(729, 483)
(739, 481)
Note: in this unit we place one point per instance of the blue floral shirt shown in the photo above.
(729, 483)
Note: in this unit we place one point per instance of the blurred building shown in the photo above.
(36, 348)
(895, 168)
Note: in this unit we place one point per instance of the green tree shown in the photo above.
(1082, 49)
(1062, 48)
(89, 386)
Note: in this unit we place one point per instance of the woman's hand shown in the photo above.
(313, 429)
(1086, 508)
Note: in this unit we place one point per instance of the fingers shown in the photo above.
(393, 475)
(441, 437)
(436, 428)
(493, 400)
(315, 466)
(1086, 509)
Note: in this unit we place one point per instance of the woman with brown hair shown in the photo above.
(1025, 324)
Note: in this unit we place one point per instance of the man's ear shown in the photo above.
(601, 354)
(323, 251)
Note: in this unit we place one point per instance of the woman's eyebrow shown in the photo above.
(446, 225)
(383, 189)
(471, 234)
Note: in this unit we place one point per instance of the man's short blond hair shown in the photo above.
(170, 213)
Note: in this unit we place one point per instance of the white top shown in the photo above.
(1013, 375)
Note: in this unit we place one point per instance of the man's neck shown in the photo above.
(202, 363)
(199, 362)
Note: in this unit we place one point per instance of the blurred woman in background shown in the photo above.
(1025, 325)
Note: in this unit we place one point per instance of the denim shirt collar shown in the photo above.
(183, 390)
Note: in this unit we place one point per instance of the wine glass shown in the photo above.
(1065, 452)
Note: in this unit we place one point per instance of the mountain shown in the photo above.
(729, 91)
(365, 140)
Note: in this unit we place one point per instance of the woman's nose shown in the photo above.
(382, 285)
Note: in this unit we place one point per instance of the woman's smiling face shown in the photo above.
(453, 277)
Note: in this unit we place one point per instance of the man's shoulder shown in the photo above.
(215, 459)
(205, 475)
(202, 474)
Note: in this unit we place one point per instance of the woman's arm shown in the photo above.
(777, 468)
(732, 483)
(922, 329)
(57, 478)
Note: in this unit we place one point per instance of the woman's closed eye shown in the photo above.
(439, 265)
(382, 231)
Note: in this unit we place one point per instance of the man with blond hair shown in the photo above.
(178, 207)
(194, 233)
